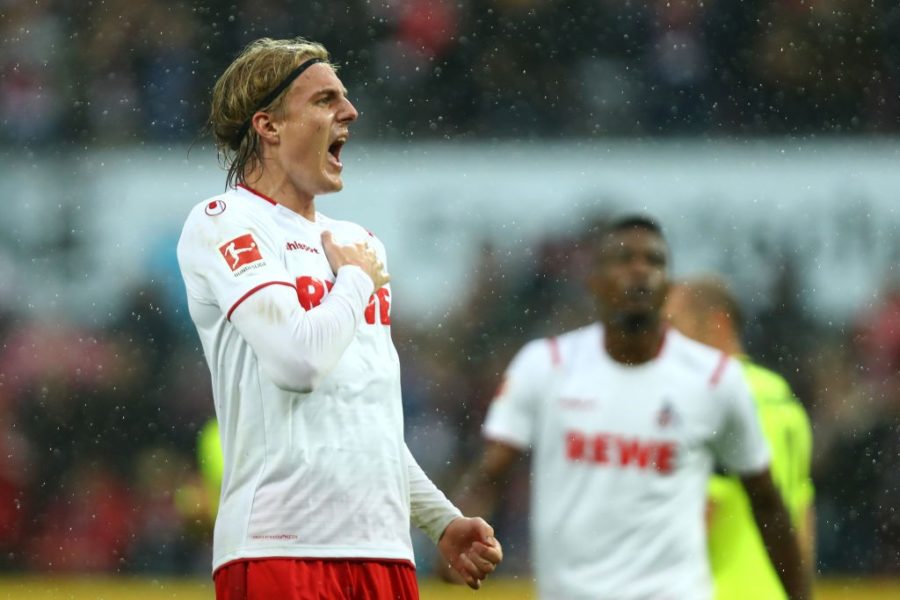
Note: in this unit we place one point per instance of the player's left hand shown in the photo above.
(468, 545)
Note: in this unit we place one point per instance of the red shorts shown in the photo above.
(316, 579)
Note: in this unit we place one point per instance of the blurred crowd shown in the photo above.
(98, 426)
(120, 70)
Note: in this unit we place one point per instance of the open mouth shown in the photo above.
(335, 150)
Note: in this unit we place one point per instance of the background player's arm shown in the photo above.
(790, 436)
(774, 525)
(466, 545)
(802, 488)
(796, 485)
(483, 483)
(743, 449)
(808, 539)
(511, 418)
(481, 488)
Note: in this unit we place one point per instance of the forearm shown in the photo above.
(482, 485)
(808, 541)
(430, 510)
(478, 492)
(781, 542)
(297, 347)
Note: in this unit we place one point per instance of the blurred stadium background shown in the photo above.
(494, 133)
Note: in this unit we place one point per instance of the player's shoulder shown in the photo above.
(210, 222)
(576, 338)
(197, 225)
(557, 350)
(690, 352)
(698, 359)
(224, 209)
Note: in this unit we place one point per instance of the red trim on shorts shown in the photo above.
(720, 369)
(253, 291)
(555, 356)
(255, 193)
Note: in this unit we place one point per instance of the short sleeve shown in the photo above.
(513, 412)
(739, 444)
(226, 257)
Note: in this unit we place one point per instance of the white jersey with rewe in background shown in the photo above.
(312, 469)
(620, 460)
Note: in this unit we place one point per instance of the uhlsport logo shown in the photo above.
(240, 253)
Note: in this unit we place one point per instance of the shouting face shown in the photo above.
(312, 129)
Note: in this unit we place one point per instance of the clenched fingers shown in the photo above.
(479, 561)
(359, 254)
(468, 571)
(485, 557)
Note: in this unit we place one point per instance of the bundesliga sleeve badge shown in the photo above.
(242, 254)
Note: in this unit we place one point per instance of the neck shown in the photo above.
(732, 347)
(633, 341)
(278, 186)
(724, 338)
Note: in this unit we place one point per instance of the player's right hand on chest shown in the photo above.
(358, 254)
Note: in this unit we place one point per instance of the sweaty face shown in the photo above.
(630, 276)
(313, 129)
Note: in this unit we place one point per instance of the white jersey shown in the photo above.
(621, 456)
(306, 382)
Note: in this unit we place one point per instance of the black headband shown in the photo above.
(274, 94)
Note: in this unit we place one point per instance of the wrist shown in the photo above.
(446, 527)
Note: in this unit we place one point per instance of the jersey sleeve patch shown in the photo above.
(242, 254)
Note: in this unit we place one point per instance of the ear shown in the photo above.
(266, 127)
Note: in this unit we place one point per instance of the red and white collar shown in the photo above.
(257, 194)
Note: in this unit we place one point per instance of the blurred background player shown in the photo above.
(197, 499)
(624, 420)
(705, 310)
(318, 486)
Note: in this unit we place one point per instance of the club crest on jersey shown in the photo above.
(216, 207)
(666, 416)
(242, 254)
